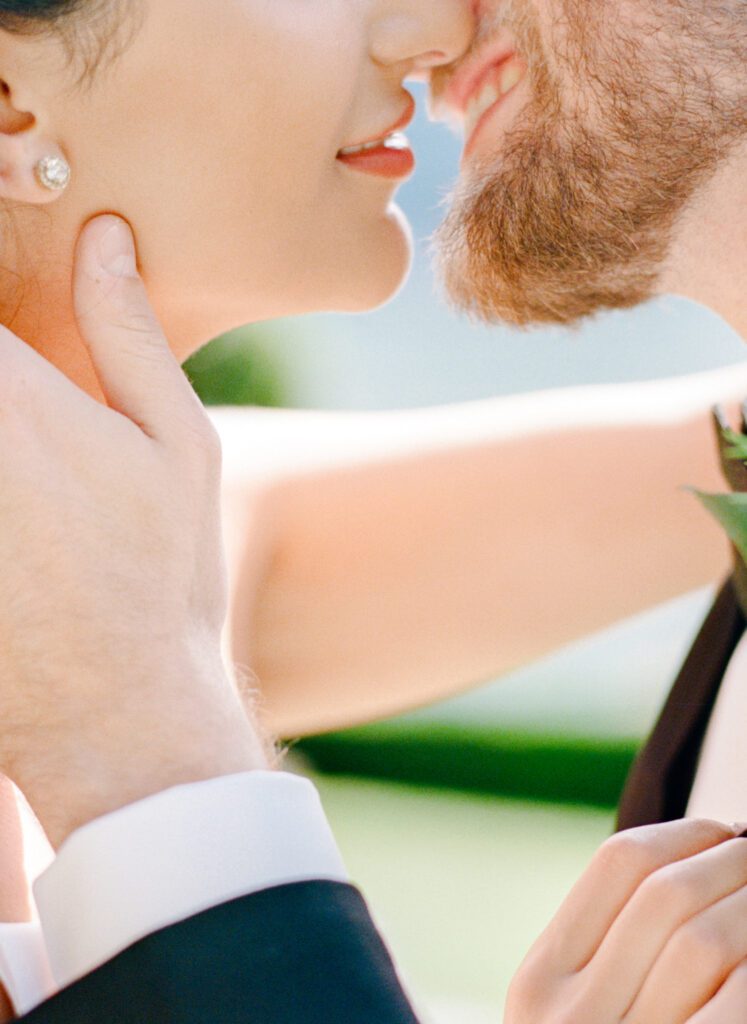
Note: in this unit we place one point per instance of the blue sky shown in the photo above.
(417, 352)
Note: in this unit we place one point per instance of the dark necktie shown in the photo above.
(660, 782)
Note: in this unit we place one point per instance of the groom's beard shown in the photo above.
(578, 210)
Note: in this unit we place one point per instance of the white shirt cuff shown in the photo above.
(24, 968)
(175, 854)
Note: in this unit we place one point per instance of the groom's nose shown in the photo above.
(421, 34)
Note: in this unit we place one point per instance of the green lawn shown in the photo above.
(461, 884)
(559, 768)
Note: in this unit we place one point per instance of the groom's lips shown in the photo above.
(467, 79)
(496, 104)
(481, 87)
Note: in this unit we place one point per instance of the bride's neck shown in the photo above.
(36, 299)
(44, 319)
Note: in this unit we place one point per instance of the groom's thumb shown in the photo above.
(137, 372)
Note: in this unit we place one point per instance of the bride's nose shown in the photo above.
(422, 34)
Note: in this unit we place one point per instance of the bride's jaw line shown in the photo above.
(229, 177)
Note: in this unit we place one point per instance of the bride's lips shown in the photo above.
(386, 154)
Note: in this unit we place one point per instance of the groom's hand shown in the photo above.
(113, 593)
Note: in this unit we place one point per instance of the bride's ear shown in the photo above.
(33, 168)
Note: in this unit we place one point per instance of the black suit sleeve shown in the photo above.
(306, 953)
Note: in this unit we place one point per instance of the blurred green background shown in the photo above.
(240, 369)
(461, 884)
(466, 823)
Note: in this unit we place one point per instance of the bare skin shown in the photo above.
(218, 244)
(457, 548)
(149, 450)
(15, 904)
(710, 246)
(168, 713)
(54, 119)
(654, 942)
(399, 557)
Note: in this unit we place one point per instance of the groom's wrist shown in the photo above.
(94, 786)
(72, 777)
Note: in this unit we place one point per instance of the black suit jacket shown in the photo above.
(306, 953)
(662, 778)
(309, 953)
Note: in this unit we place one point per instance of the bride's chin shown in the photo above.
(383, 269)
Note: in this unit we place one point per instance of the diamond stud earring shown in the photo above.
(53, 172)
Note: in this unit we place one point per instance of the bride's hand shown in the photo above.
(649, 935)
(113, 593)
(15, 904)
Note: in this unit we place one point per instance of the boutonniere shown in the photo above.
(731, 509)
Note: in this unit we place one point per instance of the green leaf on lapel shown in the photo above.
(738, 445)
(731, 512)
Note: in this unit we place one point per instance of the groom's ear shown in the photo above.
(23, 145)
